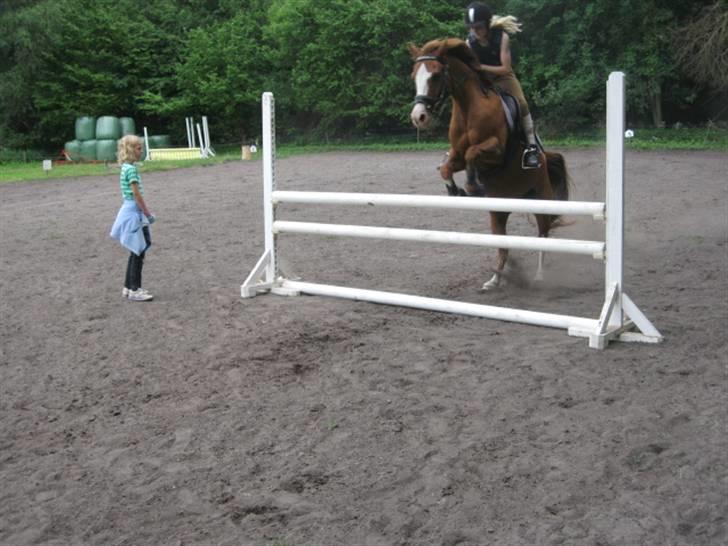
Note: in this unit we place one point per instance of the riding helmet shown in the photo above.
(478, 12)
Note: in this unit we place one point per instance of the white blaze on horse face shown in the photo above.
(420, 116)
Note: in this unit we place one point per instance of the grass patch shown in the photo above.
(14, 169)
(17, 171)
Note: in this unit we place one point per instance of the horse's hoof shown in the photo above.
(452, 189)
(492, 284)
(538, 277)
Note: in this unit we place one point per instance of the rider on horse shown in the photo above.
(488, 39)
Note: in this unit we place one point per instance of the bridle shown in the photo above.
(428, 102)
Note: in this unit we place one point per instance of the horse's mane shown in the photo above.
(452, 47)
(455, 48)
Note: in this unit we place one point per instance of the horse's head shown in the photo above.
(430, 74)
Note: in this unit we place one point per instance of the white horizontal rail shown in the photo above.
(444, 306)
(568, 246)
(534, 206)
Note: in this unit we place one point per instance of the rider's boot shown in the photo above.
(531, 154)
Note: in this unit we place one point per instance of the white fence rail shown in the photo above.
(619, 316)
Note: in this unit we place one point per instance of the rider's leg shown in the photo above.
(511, 85)
(530, 155)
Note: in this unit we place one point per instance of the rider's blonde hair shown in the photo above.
(507, 22)
(125, 152)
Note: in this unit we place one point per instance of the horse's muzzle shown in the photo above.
(420, 116)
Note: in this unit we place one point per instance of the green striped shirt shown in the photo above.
(128, 175)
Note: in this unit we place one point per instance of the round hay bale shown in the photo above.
(106, 150)
(128, 127)
(73, 149)
(88, 150)
(160, 141)
(85, 128)
(108, 127)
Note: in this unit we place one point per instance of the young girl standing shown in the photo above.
(131, 227)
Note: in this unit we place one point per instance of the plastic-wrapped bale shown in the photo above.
(106, 150)
(88, 150)
(73, 149)
(160, 141)
(108, 128)
(128, 127)
(85, 128)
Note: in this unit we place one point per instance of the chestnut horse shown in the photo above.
(480, 142)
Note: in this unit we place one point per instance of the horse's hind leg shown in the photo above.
(498, 227)
(544, 224)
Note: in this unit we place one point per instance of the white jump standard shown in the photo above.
(619, 319)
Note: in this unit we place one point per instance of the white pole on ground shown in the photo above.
(444, 306)
(614, 236)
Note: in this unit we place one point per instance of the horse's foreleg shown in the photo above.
(498, 227)
(451, 164)
(484, 155)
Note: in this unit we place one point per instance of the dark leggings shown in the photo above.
(134, 266)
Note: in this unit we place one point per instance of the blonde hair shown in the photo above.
(507, 22)
(125, 152)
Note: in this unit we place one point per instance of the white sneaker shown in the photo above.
(140, 295)
(126, 291)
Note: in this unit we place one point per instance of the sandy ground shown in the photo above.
(203, 418)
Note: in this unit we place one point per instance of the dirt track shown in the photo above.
(203, 418)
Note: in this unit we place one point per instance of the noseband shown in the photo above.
(429, 102)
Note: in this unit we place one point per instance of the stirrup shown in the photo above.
(530, 152)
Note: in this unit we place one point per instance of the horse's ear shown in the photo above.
(414, 51)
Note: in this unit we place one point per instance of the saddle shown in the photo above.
(513, 114)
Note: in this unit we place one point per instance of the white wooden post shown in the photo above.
(269, 182)
(619, 316)
(146, 145)
(188, 124)
(265, 273)
(614, 236)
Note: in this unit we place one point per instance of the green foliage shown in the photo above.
(350, 72)
(569, 47)
(223, 71)
(338, 68)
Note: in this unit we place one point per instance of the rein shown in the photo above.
(429, 102)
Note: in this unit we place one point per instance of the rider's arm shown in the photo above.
(505, 57)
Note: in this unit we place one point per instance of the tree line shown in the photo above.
(337, 67)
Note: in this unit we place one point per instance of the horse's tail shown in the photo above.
(558, 175)
(560, 182)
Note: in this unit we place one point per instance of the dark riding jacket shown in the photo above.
(489, 54)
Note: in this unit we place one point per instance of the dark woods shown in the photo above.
(338, 68)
